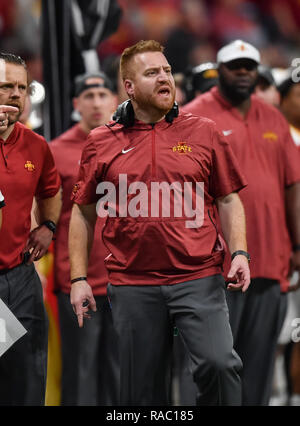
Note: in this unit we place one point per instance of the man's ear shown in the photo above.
(75, 103)
(129, 87)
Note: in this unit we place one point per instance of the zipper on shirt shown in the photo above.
(3, 155)
(153, 150)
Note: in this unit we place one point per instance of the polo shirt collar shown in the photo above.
(12, 138)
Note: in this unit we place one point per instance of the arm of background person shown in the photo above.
(233, 223)
(41, 236)
(292, 199)
(81, 234)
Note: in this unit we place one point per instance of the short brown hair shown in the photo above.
(140, 47)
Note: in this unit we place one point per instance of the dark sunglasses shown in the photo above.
(238, 64)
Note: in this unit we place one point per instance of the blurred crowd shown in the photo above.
(191, 30)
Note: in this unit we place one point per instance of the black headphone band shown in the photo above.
(125, 114)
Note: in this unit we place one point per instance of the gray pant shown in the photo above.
(90, 371)
(144, 317)
(23, 367)
(256, 318)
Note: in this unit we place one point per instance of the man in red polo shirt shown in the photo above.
(90, 362)
(260, 138)
(27, 170)
(161, 173)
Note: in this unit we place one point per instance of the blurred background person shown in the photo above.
(266, 88)
(200, 79)
(89, 354)
(259, 136)
(286, 385)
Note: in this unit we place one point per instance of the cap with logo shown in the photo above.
(80, 82)
(238, 49)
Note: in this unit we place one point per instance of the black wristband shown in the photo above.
(242, 252)
(296, 247)
(74, 280)
(50, 225)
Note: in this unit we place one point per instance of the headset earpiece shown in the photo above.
(173, 113)
(124, 114)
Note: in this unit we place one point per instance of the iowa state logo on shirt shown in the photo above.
(182, 148)
(29, 166)
(271, 136)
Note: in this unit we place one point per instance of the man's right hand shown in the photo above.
(4, 110)
(82, 300)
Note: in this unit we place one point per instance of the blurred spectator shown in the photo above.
(237, 19)
(266, 87)
(286, 14)
(200, 79)
(20, 32)
(186, 39)
(286, 382)
(290, 106)
(8, 12)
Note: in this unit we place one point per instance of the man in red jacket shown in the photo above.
(260, 138)
(89, 356)
(161, 174)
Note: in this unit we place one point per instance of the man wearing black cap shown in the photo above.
(266, 86)
(260, 138)
(289, 90)
(90, 367)
(290, 105)
(200, 79)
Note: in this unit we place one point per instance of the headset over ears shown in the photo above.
(125, 114)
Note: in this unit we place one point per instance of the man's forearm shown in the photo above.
(48, 208)
(81, 233)
(233, 222)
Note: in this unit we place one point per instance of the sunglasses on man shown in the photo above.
(237, 64)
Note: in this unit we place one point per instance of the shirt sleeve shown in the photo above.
(226, 176)
(84, 191)
(2, 202)
(49, 182)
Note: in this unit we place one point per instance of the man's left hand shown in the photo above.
(38, 243)
(238, 277)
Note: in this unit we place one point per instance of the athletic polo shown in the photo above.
(270, 161)
(26, 170)
(152, 248)
(2, 202)
(66, 150)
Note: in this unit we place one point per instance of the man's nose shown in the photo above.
(163, 76)
(15, 92)
(242, 70)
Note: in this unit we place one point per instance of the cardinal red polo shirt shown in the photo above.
(26, 170)
(154, 248)
(66, 150)
(270, 161)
